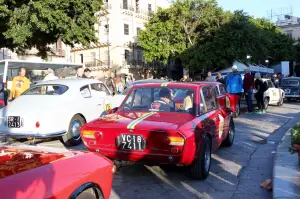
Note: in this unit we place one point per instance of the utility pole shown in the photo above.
(108, 44)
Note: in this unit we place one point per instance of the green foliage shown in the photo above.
(295, 134)
(25, 23)
(203, 35)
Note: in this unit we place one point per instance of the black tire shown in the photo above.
(89, 194)
(198, 169)
(230, 136)
(266, 103)
(73, 140)
(280, 103)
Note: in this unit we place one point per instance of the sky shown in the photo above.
(260, 8)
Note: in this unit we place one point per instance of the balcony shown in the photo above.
(143, 14)
(107, 6)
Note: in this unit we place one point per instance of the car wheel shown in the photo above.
(89, 194)
(72, 138)
(237, 109)
(231, 134)
(201, 166)
(280, 103)
(266, 103)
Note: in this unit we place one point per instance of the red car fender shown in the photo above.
(57, 180)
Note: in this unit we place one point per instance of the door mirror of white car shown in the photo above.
(86, 93)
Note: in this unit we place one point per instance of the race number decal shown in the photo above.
(107, 107)
(221, 126)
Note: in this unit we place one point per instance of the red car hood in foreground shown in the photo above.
(14, 159)
(142, 120)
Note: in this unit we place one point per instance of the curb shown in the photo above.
(286, 172)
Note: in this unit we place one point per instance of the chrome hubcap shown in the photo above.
(75, 129)
(207, 158)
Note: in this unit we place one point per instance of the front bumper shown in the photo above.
(292, 96)
(33, 135)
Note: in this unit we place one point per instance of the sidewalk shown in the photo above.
(286, 171)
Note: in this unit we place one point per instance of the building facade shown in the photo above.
(117, 28)
(290, 25)
(59, 52)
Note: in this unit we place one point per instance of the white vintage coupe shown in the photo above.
(272, 95)
(56, 108)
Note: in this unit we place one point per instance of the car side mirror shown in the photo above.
(113, 110)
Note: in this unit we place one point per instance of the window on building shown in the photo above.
(126, 55)
(106, 29)
(290, 33)
(126, 29)
(81, 58)
(137, 5)
(149, 9)
(139, 55)
(125, 4)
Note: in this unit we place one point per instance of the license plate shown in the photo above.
(131, 142)
(14, 122)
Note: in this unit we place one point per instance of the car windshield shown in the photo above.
(290, 83)
(46, 90)
(160, 99)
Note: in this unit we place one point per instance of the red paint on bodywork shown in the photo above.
(41, 174)
(154, 129)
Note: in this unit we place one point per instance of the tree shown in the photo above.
(170, 31)
(237, 37)
(25, 24)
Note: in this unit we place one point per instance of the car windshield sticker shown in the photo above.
(155, 106)
(164, 84)
(132, 124)
(221, 126)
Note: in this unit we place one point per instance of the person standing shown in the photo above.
(119, 86)
(248, 85)
(109, 82)
(220, 78)
(19, 84)
(234, 82)
(86, 73)
(79, 72)
(261, 88)
(50, 75)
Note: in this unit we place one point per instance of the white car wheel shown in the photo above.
(72, 138)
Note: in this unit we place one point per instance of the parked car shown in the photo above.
(272, 95)
(119, 98)
(56, 108)
(44, 172)
(225, 99)
(291, 88)
(149, 128)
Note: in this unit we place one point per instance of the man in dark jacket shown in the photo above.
(248, 85)
(220, 78)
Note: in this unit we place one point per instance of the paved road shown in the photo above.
(236, 172)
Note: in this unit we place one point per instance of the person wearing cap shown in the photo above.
(234, 82)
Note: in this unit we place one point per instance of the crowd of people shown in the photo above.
(251, 84)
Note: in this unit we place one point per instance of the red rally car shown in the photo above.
(149, 127)
(44, 172)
